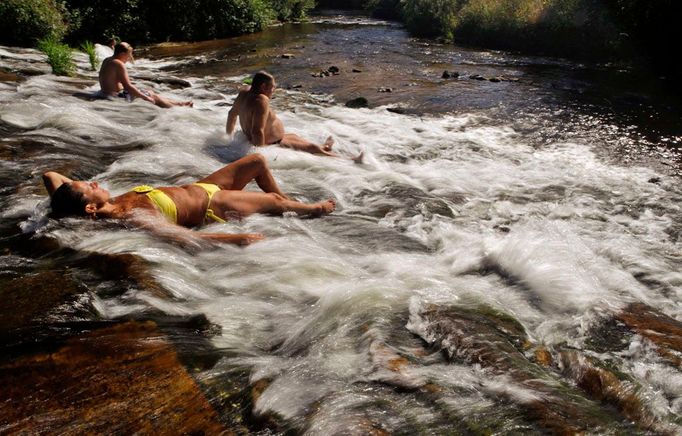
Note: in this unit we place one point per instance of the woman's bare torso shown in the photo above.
(190, 202)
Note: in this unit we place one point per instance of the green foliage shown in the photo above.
(163, 20)
(431, 17)
(93, 19)
(564, 27)
(89, 48)
(26, 21)
(291, 9)
(59, 56)
(383, 8)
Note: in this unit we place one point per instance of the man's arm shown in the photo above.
(54, 180)
(259, 120)
(127, 85)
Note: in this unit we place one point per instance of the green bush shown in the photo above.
(59, 56)
(431, 17)
(24, 22)
(563, 27)
(163, 20)
(291, 9)
(389, 9)
(89, 48)
(93, 19)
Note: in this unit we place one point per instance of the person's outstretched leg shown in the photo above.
(167, 102)
(242, 203)
(240, 172)
(290, 140)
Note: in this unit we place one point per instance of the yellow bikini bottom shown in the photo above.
(167, 206)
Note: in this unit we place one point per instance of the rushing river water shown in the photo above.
(503, 245)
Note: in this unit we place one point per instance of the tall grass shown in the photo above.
(89, 48)
(59, 56)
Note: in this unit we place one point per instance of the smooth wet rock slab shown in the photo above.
(122, 379)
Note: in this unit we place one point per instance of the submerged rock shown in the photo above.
(28, 297)
(495, 341)
(358, 102)
(121, 379)
(662, 330)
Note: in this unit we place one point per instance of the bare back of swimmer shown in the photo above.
(260, 123)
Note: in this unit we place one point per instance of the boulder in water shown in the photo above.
(357, 103)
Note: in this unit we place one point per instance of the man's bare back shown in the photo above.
(111, 76)
(114, 80)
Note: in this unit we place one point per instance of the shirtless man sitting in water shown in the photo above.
(260, 124)
(114, 80)
(167, 211)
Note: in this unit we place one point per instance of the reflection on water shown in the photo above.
(493, 220)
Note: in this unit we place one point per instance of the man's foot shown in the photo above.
(324, 207)
(328, 144)
(359, 158)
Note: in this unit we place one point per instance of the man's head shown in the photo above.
(263, 83)
(78, 198)
(124, 51)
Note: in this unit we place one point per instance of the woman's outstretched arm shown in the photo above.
(182, 235)
(54, 180)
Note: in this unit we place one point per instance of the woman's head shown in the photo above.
(66, 201)
(77, 199)
(263, 83)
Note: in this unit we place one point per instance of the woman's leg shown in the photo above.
(242, 203)
(240, 172)
(290, 140)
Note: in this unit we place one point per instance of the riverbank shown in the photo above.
(640, 34)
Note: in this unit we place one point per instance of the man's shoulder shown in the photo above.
(112, 62)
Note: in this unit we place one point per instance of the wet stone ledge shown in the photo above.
(123, 379)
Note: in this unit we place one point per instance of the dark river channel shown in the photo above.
(506, 259)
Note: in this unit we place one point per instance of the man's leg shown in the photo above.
(243, 203)
(167, 102)
(290, 140)
(240, 172)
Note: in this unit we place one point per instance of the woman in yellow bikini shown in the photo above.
(166, 210)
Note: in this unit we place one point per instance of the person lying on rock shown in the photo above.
(114, 80)
(260, 124)
(166, 211)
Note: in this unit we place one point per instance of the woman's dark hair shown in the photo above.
(260, 78)
(66, 201)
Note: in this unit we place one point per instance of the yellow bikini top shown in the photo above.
(161, 200)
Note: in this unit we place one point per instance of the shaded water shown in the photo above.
(499, 246)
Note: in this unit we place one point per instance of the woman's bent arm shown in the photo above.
(54, 180)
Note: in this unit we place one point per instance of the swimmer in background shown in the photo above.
(114, 80)
(260, 124)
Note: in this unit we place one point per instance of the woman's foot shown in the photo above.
(324, 207)
(328, 144)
